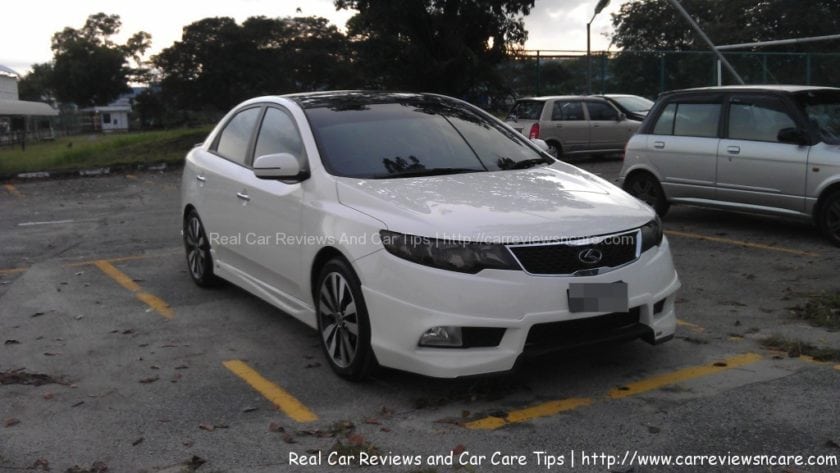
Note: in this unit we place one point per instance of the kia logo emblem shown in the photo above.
(590, 256)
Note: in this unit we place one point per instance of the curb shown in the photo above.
(92, 172)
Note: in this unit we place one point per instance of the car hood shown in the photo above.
(538, 204)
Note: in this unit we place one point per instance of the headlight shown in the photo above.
(651, 234)
(464, 257)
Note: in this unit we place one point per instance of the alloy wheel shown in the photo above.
(339, 319)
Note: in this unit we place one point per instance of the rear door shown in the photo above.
(564, 121)
(753, 167)
(683, 147)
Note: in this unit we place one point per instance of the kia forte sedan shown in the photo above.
(417, 232)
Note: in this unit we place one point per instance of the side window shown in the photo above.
(236, 136)
(279, 134)
(697, 119)
(599, 111)
(568, 111)
(665, 122)
(758, 119)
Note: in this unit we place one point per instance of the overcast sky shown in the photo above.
(28, 25)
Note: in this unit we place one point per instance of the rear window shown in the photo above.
(528, 110)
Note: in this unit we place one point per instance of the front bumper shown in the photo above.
(405, 299)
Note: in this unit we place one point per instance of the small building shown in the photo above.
(111, 117)
(22, 120)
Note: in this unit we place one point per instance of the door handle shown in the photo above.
(200, 178)
(733, 149)
(243, 196)
(659, 144)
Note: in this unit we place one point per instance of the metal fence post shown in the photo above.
(662, 73)
(538, 72)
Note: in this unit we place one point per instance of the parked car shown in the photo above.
(767, 149)
(634, 106)
(573, 124)
(418, 232)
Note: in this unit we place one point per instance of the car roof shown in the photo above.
(349, 98)
(561, 97)
(756, 88)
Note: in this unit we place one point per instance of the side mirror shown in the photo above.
(277, 166)
(541, 144)
(621, 117)
(793, 136)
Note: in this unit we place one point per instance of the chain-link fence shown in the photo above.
(649, 73)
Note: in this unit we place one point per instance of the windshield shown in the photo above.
(410, 139)
(634, 103)
(822, 107)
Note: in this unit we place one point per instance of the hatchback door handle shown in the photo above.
(200, 178)
(243, 196)
(659, 144)
(733, 149)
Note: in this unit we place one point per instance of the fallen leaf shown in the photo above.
(371, 421)
(249, 409)
(137, 442)
(313, 365)
(832, 444)
(288, 438)
(459, 449)
(78, 404)
(275, 427)
(385, 429)
(51, 354)
(11, 342)
(181, 367)
(41, 464)
(48, 396)
(720, 364)
(187, 443)
(653, 429)
(37, 314)
(11, 421)
(207, 427)
(195, 462)
(149, 380)
(155, 367)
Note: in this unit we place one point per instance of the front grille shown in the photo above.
(565, 258)
(552, 336)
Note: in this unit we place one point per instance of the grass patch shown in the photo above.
(796, 348)
(90, 151)
(822, 310)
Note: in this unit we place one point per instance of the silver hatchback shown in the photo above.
(573, 124)
(765, 149)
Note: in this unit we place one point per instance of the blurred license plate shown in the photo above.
(598, 297)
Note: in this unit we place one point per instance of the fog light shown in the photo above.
(441, 337)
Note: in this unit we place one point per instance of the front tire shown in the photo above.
(197, 247)
(343, 322)
(828, 218)
(646, 188)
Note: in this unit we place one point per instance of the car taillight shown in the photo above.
(535, 131)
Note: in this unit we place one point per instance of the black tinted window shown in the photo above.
(569, 111)
(758, 120)
(599, 111)
(236, 136)
(697, 119)
(665, 122)
(527, 110)
(388, 139)
(278, 134)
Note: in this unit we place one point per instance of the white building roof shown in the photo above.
(5, 71)
(22, 107)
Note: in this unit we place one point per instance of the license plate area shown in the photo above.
(598, 297)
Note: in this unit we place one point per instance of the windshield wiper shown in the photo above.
(425, 172)
(509, 164)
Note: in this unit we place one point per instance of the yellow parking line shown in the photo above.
(684, 374)
(13, 190)
(837, 367)
(13, 270)
(125, 281)
(550, 408)
(745, 244)
(277, 395)
(690, 325)
(545, 409)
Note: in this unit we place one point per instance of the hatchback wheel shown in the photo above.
(646, 188)
(554, 149)
(197, 246)
(829, 218)
(343, 321)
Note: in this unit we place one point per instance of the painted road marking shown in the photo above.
(13, 270)
(277, 395)
(125, 281)
(690, 325)
(11, 189)
(118, 259)
(57, 222)
(746, 244)
(551, 408)
(545, 409)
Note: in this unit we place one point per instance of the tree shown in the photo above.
(446, 46)
(38, 84)
(219, 63)
(89, 68)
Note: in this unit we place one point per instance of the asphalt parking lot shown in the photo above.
(113, 357)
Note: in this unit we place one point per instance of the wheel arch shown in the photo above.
(829, 190)
(323, 256)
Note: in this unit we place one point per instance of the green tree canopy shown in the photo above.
(88, 67)
(446, 46)
(218, 63)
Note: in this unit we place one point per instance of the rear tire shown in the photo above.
(828, 218)
(555, 149)
(343, 322)
(646, 188)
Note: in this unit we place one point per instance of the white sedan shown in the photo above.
(417, 232)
